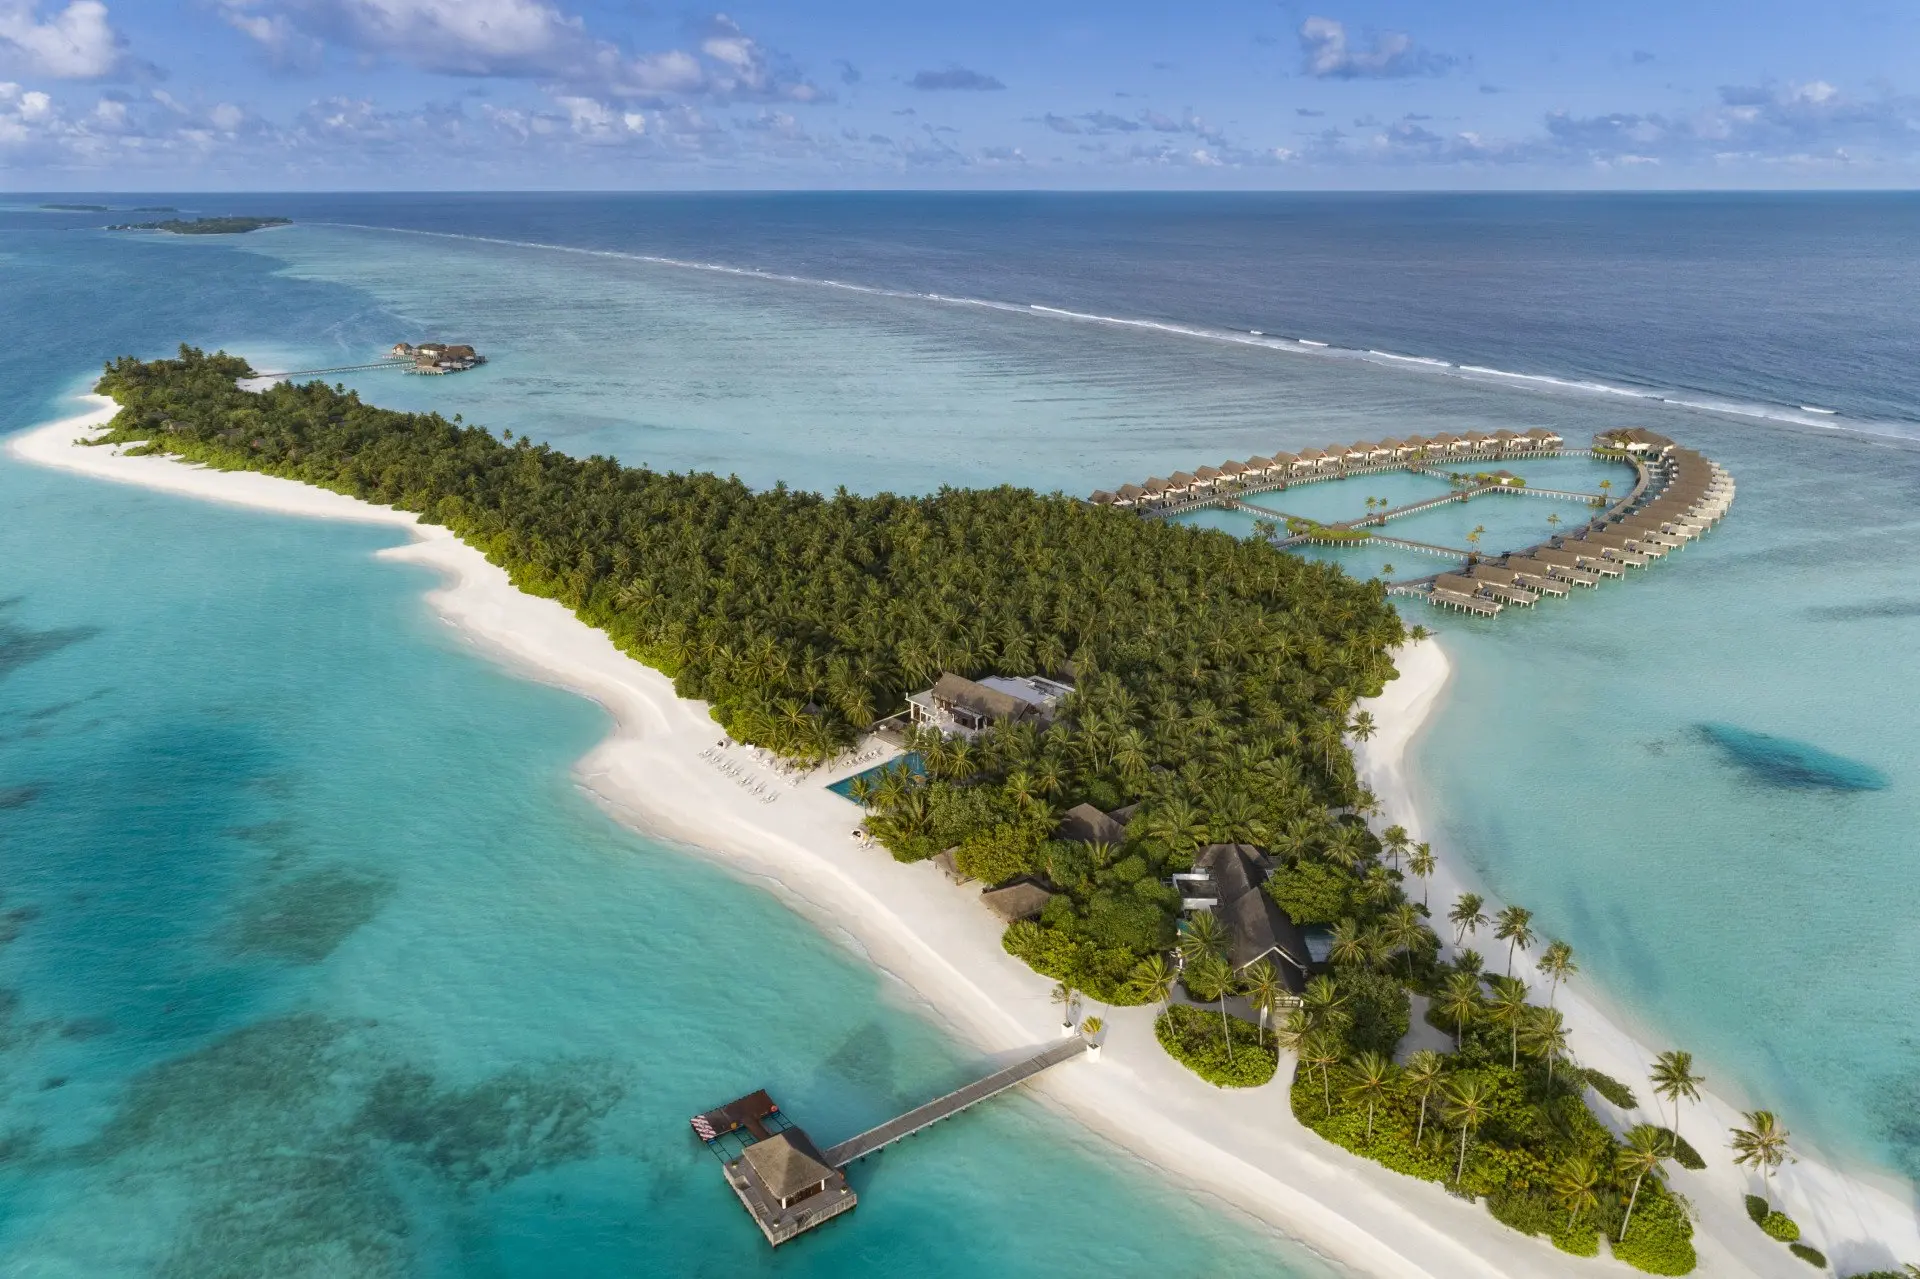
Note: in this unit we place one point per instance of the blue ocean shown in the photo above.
(315, 960)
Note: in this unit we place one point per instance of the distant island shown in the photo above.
(155, 208)
(204, 226)
(77, 208)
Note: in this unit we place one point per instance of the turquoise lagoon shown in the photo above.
(775, 379)
(478, 939)
(317, 960)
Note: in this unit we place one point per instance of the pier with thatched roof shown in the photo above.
(789, 1185)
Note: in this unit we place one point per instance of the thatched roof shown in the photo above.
(1088, 825)
(788, 1163)
(978, 698)
(1022, 900)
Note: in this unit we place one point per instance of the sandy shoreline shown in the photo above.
(1244, 1145)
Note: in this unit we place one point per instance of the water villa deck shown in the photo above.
(1678, 495)
(1213, 485)
(788, 1185)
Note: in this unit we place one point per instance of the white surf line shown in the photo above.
(1255, 338)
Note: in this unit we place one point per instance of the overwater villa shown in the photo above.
(438, 357)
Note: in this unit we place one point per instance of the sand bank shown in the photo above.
(935, 937)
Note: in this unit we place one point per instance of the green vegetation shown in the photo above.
(1214, 675)
(1199, 1040)
(1757, 1209)
(1779, 1225)
(204, 226)
(1612, 1089)
(1503, 1116)
(1809, 1254)
(77, 208)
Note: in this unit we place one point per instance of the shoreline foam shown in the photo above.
(1242, 1145)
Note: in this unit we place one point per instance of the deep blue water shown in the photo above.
(218, 871)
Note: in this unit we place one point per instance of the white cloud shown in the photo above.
(1328, 53)
(524, 39)
(76, 43)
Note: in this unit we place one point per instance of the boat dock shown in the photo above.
(788, 1185)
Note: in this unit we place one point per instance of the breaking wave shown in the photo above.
(1794, 414)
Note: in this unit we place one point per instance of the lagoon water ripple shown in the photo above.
(390, 881)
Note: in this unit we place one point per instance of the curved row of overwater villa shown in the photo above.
(1183, 491)
(1678, 494)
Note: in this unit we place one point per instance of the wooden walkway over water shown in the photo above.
(923, 1117)
(342, 368)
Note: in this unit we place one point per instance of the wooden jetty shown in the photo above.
(789, 1186)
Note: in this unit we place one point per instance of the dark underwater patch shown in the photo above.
(1866, 612)
(17, 796)
(1790, 764)
(304, 919)
(22, 645)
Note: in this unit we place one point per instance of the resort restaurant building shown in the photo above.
(961, 707)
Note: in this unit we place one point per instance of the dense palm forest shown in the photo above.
(1214, 679)
(1214, 674)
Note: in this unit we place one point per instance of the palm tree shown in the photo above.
(1371, 1074)
(1459, 1003)
(1424, 1072)
(1152, 982)
(1210, 978)
(1404, 931)
(1395, 839)
(1553, 521)
(1673, 1078)
(1363, 728)
(1320, 1050)
(1558, 964)
(1465, 1104)
(1467, 917)
(1386, 570)
(1545, 1035)
(1064, 995)
(1509, 1008)
(1647, 1147)
(1420, 861)
(1573, 1184)
(1762, 1144)
(1325, 1005)
(1264, 990)
(1515, 930)
(1200, 935)
(1349, 948)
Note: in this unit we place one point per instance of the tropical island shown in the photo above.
(204, 226)
(77, 208)
(1183, 816)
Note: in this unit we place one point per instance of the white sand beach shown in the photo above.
(936, 938)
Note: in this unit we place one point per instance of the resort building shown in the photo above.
(1085, 824)
(438, 357)
(961, 707)
(1229, 877)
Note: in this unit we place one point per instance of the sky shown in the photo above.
(176, 95)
